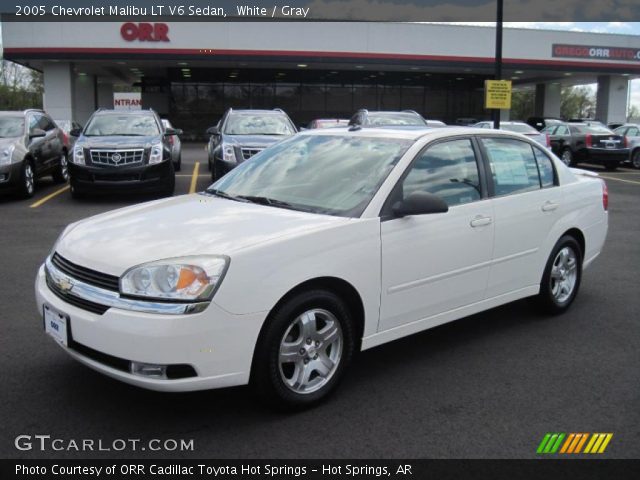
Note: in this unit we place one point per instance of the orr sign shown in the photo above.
(145, 32)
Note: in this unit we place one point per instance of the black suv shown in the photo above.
(122, 151)
(31, 145)
(406, 118)
(240, 134)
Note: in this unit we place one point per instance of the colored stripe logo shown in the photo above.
(574, 443)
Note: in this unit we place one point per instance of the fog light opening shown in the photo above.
(149, 370)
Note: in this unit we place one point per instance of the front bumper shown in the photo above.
(10, 175)
(218, 345)
(137, 178)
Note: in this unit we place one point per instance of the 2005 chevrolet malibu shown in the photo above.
(327, 243)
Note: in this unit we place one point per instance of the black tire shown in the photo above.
(546, 300)
(209, 167)
(61, 173)
(170, 187)
(27, 183)
(567, 157)
(635, 159)
(266, 373)
(611, 167)
(215, 172)
(76, 193)
(177, 166)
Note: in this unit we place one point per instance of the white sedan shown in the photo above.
(330, 242)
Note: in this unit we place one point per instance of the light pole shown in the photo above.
(498, 59)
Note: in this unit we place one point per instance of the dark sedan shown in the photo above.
(578, 142)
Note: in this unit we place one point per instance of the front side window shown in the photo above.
(122, 125)
(447, 169)
(513, 166)
(562, 130)
(331, 174)
(256, 124)
(633, 132)
(45, 123)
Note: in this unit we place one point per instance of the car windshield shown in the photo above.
(64, 124)
(592, 129)
(330, 174)
(11, 126)
(257, 124)
(127, 125)
(331, 123)
(518, 128)
(395, 119)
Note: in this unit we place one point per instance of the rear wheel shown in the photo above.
(76, 193)
(304, 350)
(27, 184)
(61, 173)
(561, 278)
(567, 157)
(635, 159)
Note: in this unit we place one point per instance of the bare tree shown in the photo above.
(20, 87)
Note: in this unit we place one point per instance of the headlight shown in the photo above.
(78, 155)
(156, 153)
(187, 278)
(6, 154)
(228, 155)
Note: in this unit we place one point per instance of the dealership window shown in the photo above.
(339, 101)
(448, 170)
(513, 166)
(390, 97)
(412, 99)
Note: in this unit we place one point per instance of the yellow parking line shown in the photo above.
(620, 180)
(194, 177)
(49, 197)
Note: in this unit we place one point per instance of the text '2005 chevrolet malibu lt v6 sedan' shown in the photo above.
(326, 243)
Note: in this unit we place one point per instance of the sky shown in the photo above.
(626, 28)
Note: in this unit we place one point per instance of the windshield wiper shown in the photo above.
(272, 202)
(221, 194)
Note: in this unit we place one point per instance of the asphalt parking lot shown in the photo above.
(490, 385)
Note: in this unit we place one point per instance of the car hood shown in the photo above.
(253, 140)
(194, 224)
(7, 142)
(118, 142)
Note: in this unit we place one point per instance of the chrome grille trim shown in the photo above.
(116, 157)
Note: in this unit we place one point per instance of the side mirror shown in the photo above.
(75, 132)
(37, 132)
(213, 131)
(172, 131)
(420, 203)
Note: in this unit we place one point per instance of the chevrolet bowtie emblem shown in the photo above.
(65, 284)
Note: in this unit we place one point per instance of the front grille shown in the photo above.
(247, 153)
(76, 301)
(116, 158)
(86, 275)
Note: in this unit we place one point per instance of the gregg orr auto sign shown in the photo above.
(596, 53)
(145, 32)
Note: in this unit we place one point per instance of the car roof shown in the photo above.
(123, 112)
(254, 111)
(412, 133)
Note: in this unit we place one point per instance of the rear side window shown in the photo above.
(513, 166)
(545, 167)
(563, 130)
(448, 170)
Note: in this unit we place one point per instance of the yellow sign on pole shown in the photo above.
(497, 94)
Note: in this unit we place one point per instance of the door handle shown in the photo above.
(549, 206)
(480, 221)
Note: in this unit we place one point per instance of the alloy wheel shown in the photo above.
(564, 274)
(28, 178)
(566, 157)
(310, 351)
(64, 167)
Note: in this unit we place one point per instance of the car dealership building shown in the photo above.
(191, 72)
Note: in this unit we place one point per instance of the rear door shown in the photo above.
(527, 203)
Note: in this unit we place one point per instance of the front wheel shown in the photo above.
(177, 165)
(61, 173)
(561, 278)
(27, 185)
(635, 159)
(303, 350)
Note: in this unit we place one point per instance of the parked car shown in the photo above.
(578, 142)
(405, 118)
(67, 126)
(540, 123)
(519, 127)
(614, 125)
(240, 134)
(435, 123)
(631, 132)
(466, 121)
(31, 146)
(328, 123)
(588, 121)
(122, 151)
(176, 146)
(331, 241)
